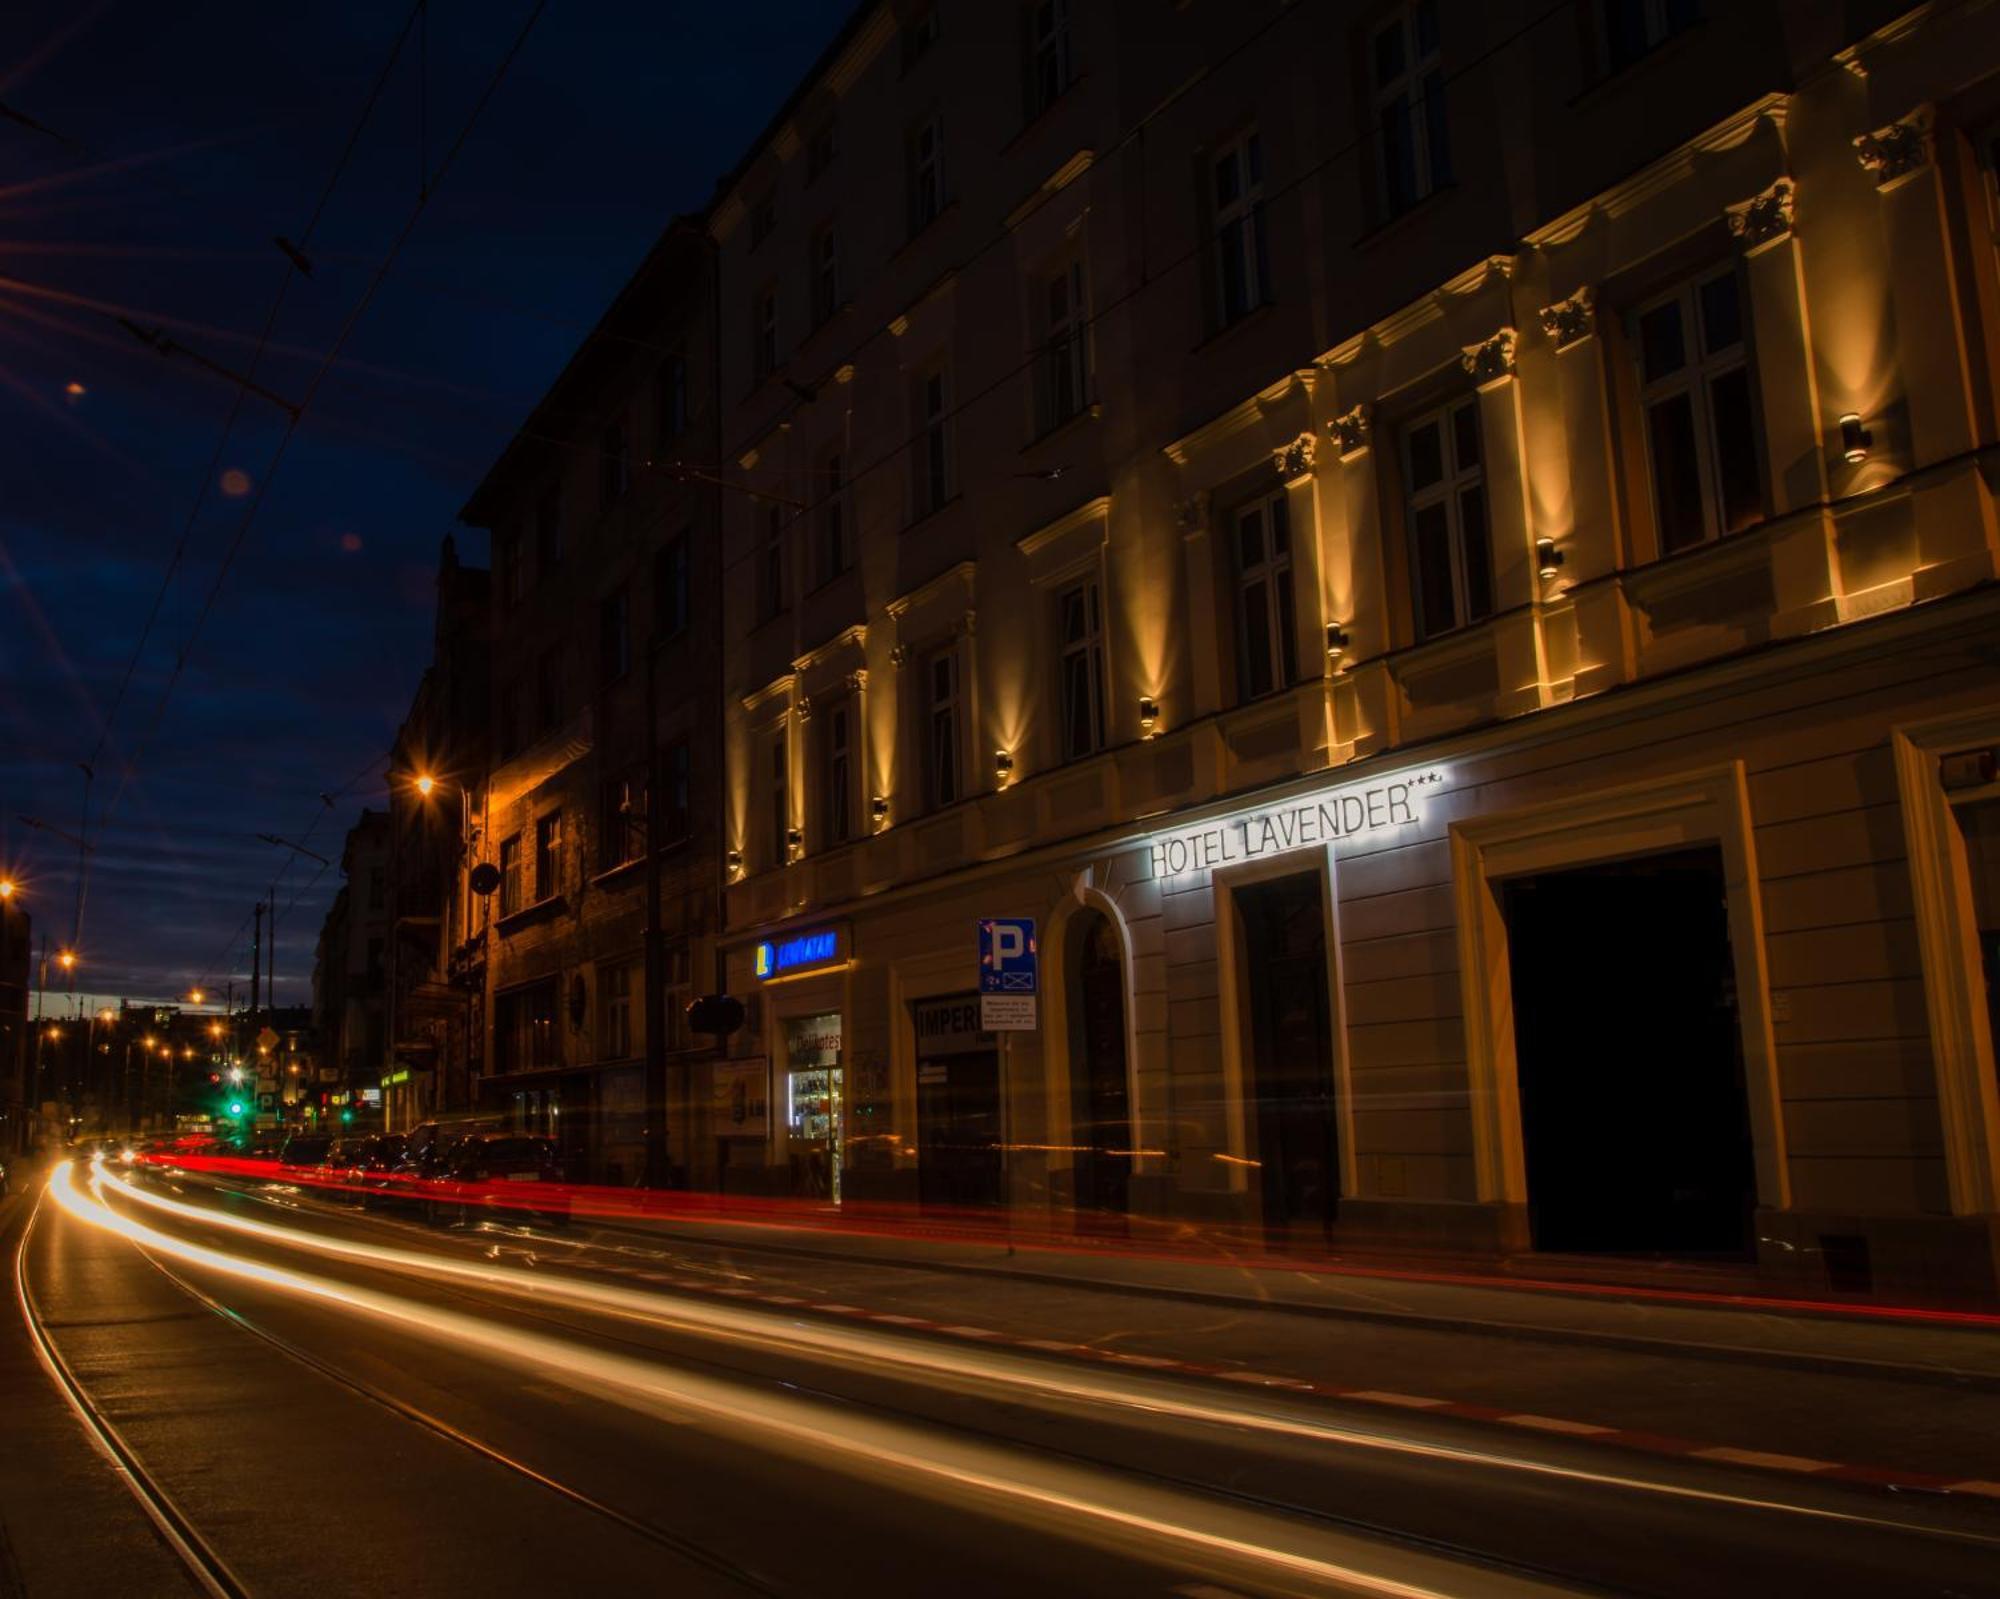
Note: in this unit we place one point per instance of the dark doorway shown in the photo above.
(1291, 1048)
(958, 1131)
(1100, 1103)
(1635, 1122)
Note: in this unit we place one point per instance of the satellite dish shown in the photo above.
(485, 878)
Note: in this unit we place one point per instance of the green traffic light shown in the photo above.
(236, 1107)
(347, 1116)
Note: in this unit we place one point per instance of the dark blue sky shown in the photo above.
(194, 135)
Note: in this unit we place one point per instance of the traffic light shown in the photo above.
(346, 1116)
(215, 1079)
(236, 1107)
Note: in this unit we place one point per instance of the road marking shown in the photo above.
(1263, 1379)
(1376, 1396)
(1760, 1457)
(971, 1332)
(1556, 1424)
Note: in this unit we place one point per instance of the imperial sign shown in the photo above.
(1302, 823)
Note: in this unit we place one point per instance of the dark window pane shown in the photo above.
(1235, 272)
(1281, 526)
(1662, 349)
(1226, 182)
(1076, 706)
(1256, 641)
(1399, 157)
(1436, 134)
(1389, 54)
(1426, 456)
(1721, 314)
(1737, 477)
(1676, 473)
(1427, 27)
(1288, 643)
(1437, 611)
(1249, 540)
(1478, 554)
(1465, 437)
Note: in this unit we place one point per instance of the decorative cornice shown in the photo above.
(1233, 421)
(1763, 219)
(903, 604)
(1350, 431)
(783, 683)
(1421, 313)
(1571, 321)
(1491, 359)
(1295, 460)
(1097, 510)
(855, 637)
(1903, 147)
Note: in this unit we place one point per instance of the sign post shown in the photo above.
(1009, 975)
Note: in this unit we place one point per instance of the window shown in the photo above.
(1080, 620)
(1238, 175)
(1266, 630)
(825, 274)
(621, 836)
(1445, 513)
(941, 729)
(671, 398)
(675, 768)
(926, 174)
(507, 719)
(1066, 354)
(549, 691)
(781, 803)
(614, 466)
(836, 551)
(820, 150)
(771, 564)
(1701, 422)
(1631, 28)
(548, 856)
(670, 586)
(764, 334)
(836, 800)
(524, 1028)
(920, 36)
(614, 634)
(511, 559)
(763, 217)
(616, 1034)
(1048, 54)
(548, 534)
(1413, 154)
(513, 891)
(932, 460)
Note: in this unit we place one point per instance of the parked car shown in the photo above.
(305, 1149)
(504, 1163)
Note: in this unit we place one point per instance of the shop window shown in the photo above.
(836, 800)
(513, 891)
(942, 729)
(1445, 517)
(524, 1028)
(548, 855)
(1702, 432)
(813, 1094)
(1080, 620)
(1413, 152)
(1266, 619)
(1237, 210)
(619, 1031)
(1064, 390)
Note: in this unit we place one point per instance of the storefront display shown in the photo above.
(813, 1092)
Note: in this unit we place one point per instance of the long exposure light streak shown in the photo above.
(1159, 1522)
(986, 1368)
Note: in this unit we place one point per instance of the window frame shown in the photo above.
(1067, 365)
(824, 266)
(933, 463)
(833, 545)
(1051, 47)
(1242, 214)
(943, 767)
(670, 396)
(1087, 648)
(772, 566)
(548, 856)
(834, 725)
(614, 465)
(1454, 482)
(622, 816)
(677, 803)
(764, 333)
(1416, 94)
(614, 635)
(1276, 574)
(616, 1032)
(672, 584)
(548, 532)
(513, 881)
(928, 195)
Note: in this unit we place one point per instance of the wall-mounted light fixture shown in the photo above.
(1855, 440)
(795, 843)
(1548, 559)
(878, 808)
(736, 862)
(1149, 716)
(1003, 767)
(1336, 641)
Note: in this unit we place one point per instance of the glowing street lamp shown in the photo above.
(7, 886)
(425, 783)
(66, 959)
(196, 996)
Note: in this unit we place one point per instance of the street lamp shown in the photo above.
(425, 783)
(6, 888)
(66, 959)
(196, 996)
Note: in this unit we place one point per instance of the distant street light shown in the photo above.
(425, 783)
(6, 888)
(196, 996)
(66, 959)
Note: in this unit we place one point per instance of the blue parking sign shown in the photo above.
(1008, 963)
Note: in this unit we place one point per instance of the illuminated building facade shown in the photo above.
(1446, 555)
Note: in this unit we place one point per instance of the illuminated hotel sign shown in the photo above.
(798, 952)
(1311, 820)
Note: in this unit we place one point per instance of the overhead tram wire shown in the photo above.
(326, 363)
(214, 466)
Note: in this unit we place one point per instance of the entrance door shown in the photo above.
(1100, 1102)
(1634, 1117)
(958, 1131)
(1291, 1049)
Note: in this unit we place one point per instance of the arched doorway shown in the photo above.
(1100, 1102)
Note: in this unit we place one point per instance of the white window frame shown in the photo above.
(1278, 576)
(1088, 649)
(1408, 95)
(1696, 378)
(943, 724)
(1066, 353)
(1048, 47)
(771, 565)
(934, 460)
(513, 880)
(1242, 216)
(548, 855)
(1455, 480)
(834, 548)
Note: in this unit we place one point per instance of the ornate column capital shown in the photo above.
(1571, 321)
(900, 655)
(1903, 147)
(1295, 460)
(1192, 513)
(804, 708)
(1763, 219)
(1350, 431)
(1490, 360)
(857, 680)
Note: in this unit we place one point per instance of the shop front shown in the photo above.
(959, 1116)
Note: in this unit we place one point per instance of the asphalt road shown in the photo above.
(343, 1402)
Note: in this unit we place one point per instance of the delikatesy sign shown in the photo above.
(1303, 822)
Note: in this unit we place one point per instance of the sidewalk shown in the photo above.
(1953, 1349)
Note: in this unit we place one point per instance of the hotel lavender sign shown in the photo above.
(1305, 822)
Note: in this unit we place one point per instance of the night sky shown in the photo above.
(188, 137)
